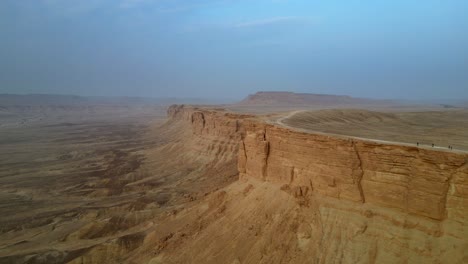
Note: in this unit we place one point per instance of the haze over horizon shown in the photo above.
(228, 49)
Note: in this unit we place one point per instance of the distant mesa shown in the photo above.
(291, 98)
(448, 106)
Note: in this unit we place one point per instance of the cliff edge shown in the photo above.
(304, 197)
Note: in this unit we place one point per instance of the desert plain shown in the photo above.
(275, 178)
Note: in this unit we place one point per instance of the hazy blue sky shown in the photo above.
(229, 48)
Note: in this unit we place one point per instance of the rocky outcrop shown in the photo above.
(210, 137)
(215, 122)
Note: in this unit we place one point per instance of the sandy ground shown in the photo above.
(60, 170)
(72, 179)
(441, 128)
(107, 181)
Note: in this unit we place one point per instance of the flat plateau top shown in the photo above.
(441, 128)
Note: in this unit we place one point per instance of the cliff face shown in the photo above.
(423, 182)
(211, 137)
(418, 181)
(210, 122)
(356, 201)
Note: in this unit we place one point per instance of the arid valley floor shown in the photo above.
(275, 178)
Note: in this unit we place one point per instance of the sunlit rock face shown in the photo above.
(418, 181)
(305, 198)
(418, 198)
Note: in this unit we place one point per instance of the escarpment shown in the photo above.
(212, 186)
(207, 122)
(331, 199)
(419, 181)
(211, 137)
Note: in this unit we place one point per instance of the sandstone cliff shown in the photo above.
(220, 187)
(357, 201)
(418, 181)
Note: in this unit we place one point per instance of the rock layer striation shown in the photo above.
(423, 182)
(412, 201)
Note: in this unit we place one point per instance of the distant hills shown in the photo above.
(262, 98)
(74, 100)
